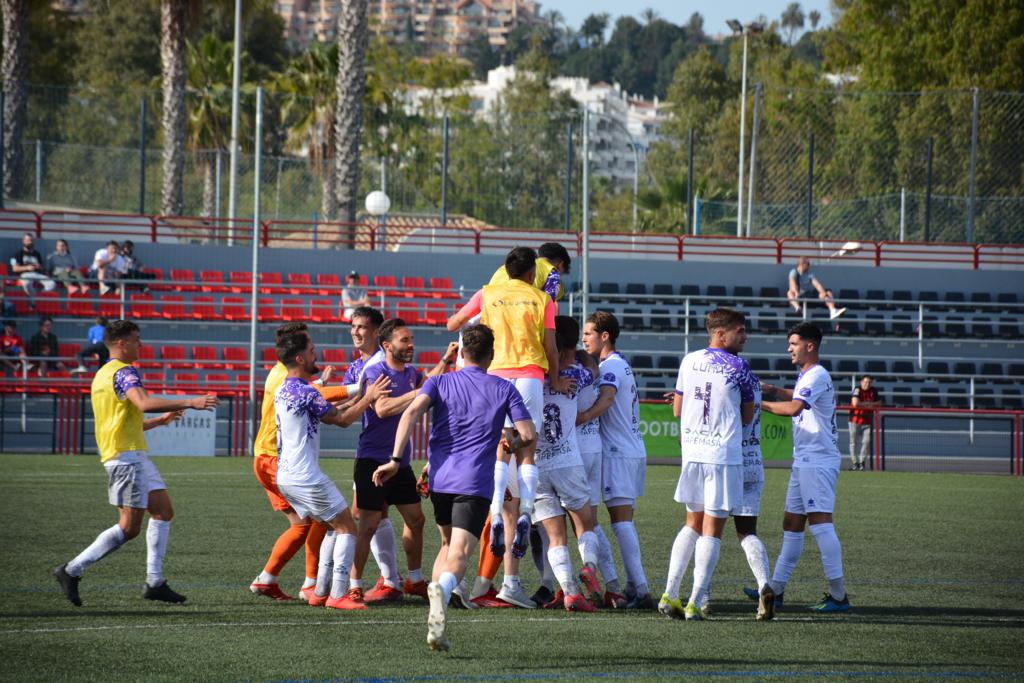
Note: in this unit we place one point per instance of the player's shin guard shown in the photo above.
(344, 551)
(792, 547)
(528, 478)
(831, 558)
(629, 546)
(558, 556)
(705, 559)
(385, 552)
(106, 543)
(588, 546)
(605, 558)
(757, 558)
(679, 560)
(156, 547)
(325, 568)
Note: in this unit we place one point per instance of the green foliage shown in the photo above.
(118, 46)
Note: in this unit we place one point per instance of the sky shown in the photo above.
(714, 13)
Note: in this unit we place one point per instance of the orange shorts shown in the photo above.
(265, 468)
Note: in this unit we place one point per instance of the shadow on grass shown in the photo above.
(85, 612)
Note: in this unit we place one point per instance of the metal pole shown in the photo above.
(39, 171)
(753, 156)
(255, 267)
(686, 326)
(689, 177)
(142, 156)
(810, 182)
(696, 215)
(920, 336)
(3, 147)
(974, 160)
(383, 175)
(585, 228)
(743, 132)
(903, 214)
(928, 193)
(236, 76)
(971, 406)
(568, 177)
(444, 172)
(636, 180)
(217, 178)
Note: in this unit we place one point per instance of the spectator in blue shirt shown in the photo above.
(93, 346)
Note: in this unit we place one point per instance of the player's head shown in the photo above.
(521, 264)
(296, 350)
(600, 332)
(567, 333)
(478, 345)
(557, 255)
(866, 381)
(803, 264)
(727, 329)
(366, 320)
(121, 337)
(804, 344)
(290, 328)
(396, 339)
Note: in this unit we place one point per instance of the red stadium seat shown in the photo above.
(153, 379)
(235, 309)
(147, 358)
(266, 310)
(80, 305)
(67, 350)
(329, 284)
(412, 286)
(183, 280)
(269, 356)
(242, 382)
(322, 311)
(213, 281)
(218, 381)
(435, 314)
(386, 284)
(430, 358)
(172, 307)
(49, 303)
(110, 306)
(409, 311)
(241, 281)
(442, 283)
(293, 309)
(173, 356)
(158, 276)
(236, 356)
(203, 308)
(335, 357)
(142, 306)
(186, 378)
(271, 283)
(300, 283)
(205, 357)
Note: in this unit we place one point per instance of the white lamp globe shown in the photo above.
(377, 203)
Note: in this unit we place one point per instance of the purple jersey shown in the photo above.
(469, 410)
(377, 440)
(357, 370)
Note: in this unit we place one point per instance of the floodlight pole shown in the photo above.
(253, 307)
(743, 131)
(585, 298)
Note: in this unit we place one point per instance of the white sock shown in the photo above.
(344, 550)
(325, 568)
(605, 559)
(792, 547)
(510, 581)
(679, 560)
(558, 556)
(385, 553)
(106, 543)
(415, 575)
(308, 582)
(705, 558)
(588, 544)
(448, 583)
(266, 577)
(757, 558)
(481, 585)
(354, 583)
(529, 475)
(831, 558)
(156, 548)
(629, 546)
(547, 574)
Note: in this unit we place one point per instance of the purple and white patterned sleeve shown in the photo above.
(553, 284)
(317, 405)
(126, 378)
(747, 382)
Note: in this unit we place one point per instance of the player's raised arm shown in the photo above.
(447, 360)
(783, 408)
(412, 414)
(381, 387)
(472, 307)
(150, 404)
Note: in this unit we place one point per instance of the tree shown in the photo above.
(482, 55)
(593, 29)
(695, 28)
(350, 87)
(14, 68)
(118, 44)
(814, 16)
(173, 18)
(793, 20)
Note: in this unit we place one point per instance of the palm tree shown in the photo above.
(173, 18)
(14, 67)
(814, 16)
(349, 87)
(793, 19)
(309, 113)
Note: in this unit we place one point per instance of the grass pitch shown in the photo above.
(933, 564)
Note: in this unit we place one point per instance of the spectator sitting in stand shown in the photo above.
(93, 346)
(27, 264)
(44, 343)
(352, 295)
(12, 346)
(7, 309)
(107, 266)
(803, 283)
(62, 265)
(133, 268)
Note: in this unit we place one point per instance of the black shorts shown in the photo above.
(398, 490)
(465, 512)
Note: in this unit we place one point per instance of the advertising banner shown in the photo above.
(660, 430)
(194, 434)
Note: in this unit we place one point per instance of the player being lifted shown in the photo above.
(714, 398)
(134, 485)
(469, 408)
(811, 496)
(624, 457)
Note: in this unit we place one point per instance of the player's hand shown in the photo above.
(384, 472)
(380, 387)
(586, 360)
(668, 396)
(451, 353)
(172, 416)
(423, 483)
(325, 376)
(497, 536)
(563, 385)
(207, 402)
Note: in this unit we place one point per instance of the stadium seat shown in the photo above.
(157, 284)
(203, 308)
(183, 280)
(242, 383)
(904, 370)
(984, 398)
(153, 380)
(669, 362)
(412, 286)
(636, 289)
(190, 378)
(172, 307)
(826, 363)
(1011, 399)
(847, 295)
(783, 365)
(632, 319)
(992, 372)
(768, 323)
(147, 357)
(955, 327)
(717, 295)
(928, 297)
(876, 367)
(300, 284)
(409, 311)
(205, 357)
(269, 357)
(435, 314)
(930, 396)
(271, 282)
(1009, 328)
(903, 326)
(981, 298)
(661, 320)
(443, 283)
(212, 281)
(173, 356)
(1008, 300)
(142, 306)
(217, 380)
(49, 303)
(241, 281)
(904, 299)
(386, 285)
(335, 356)
(936, 370)
(110, 306)
(293, 309)
(328, 284)
(607, 292)
(848, 326)
(981, 326)
(848, 366)
(745, 294)
(955, 300)
(266, 310)
(771, 296)
(874, 325)
(236, 356)
(234, 309)
(642, 362)
(65, 350)
(429, 359)
(902, 396)
(1016, 370)
(664, 292)
(323, 311)
(877, 297)
(759, 364)
(964, 368)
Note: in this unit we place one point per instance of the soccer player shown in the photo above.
(469, 409)
(376, 443)
(134, 485)
(623, 457)
(714, 398)
(523, 320)
(299, 409)
(553, 261)
(811, 497)
(299, 531)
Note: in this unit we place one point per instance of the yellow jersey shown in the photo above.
(118, 421)
(547, 279)
(515, 313)
(266, 437)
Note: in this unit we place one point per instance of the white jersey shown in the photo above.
(298, 408)
(713, 383)
(815, 437)
(620, 424)
(588, 436)
(556, 443)
(753, 466)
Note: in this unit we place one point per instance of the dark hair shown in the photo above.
(864, 377)
(477, 343)
(128, 243)
(567, 332)
(290, 345)
(554, 250)
(388, 328)
(604, 321)
(519, 262)
(290, 328)
(370, 313)
(10, 323)
(45, 319)
(114, 242)
(723, 319)
(808, 332)
(118, 329)
(102, 319)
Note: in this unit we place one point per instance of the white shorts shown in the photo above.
(321, 500)
(751, 505)
(532, 392)
(710, 488)
(622, 478)
(564, 487)
(131, 476)
(811, 489)
(592, 466)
